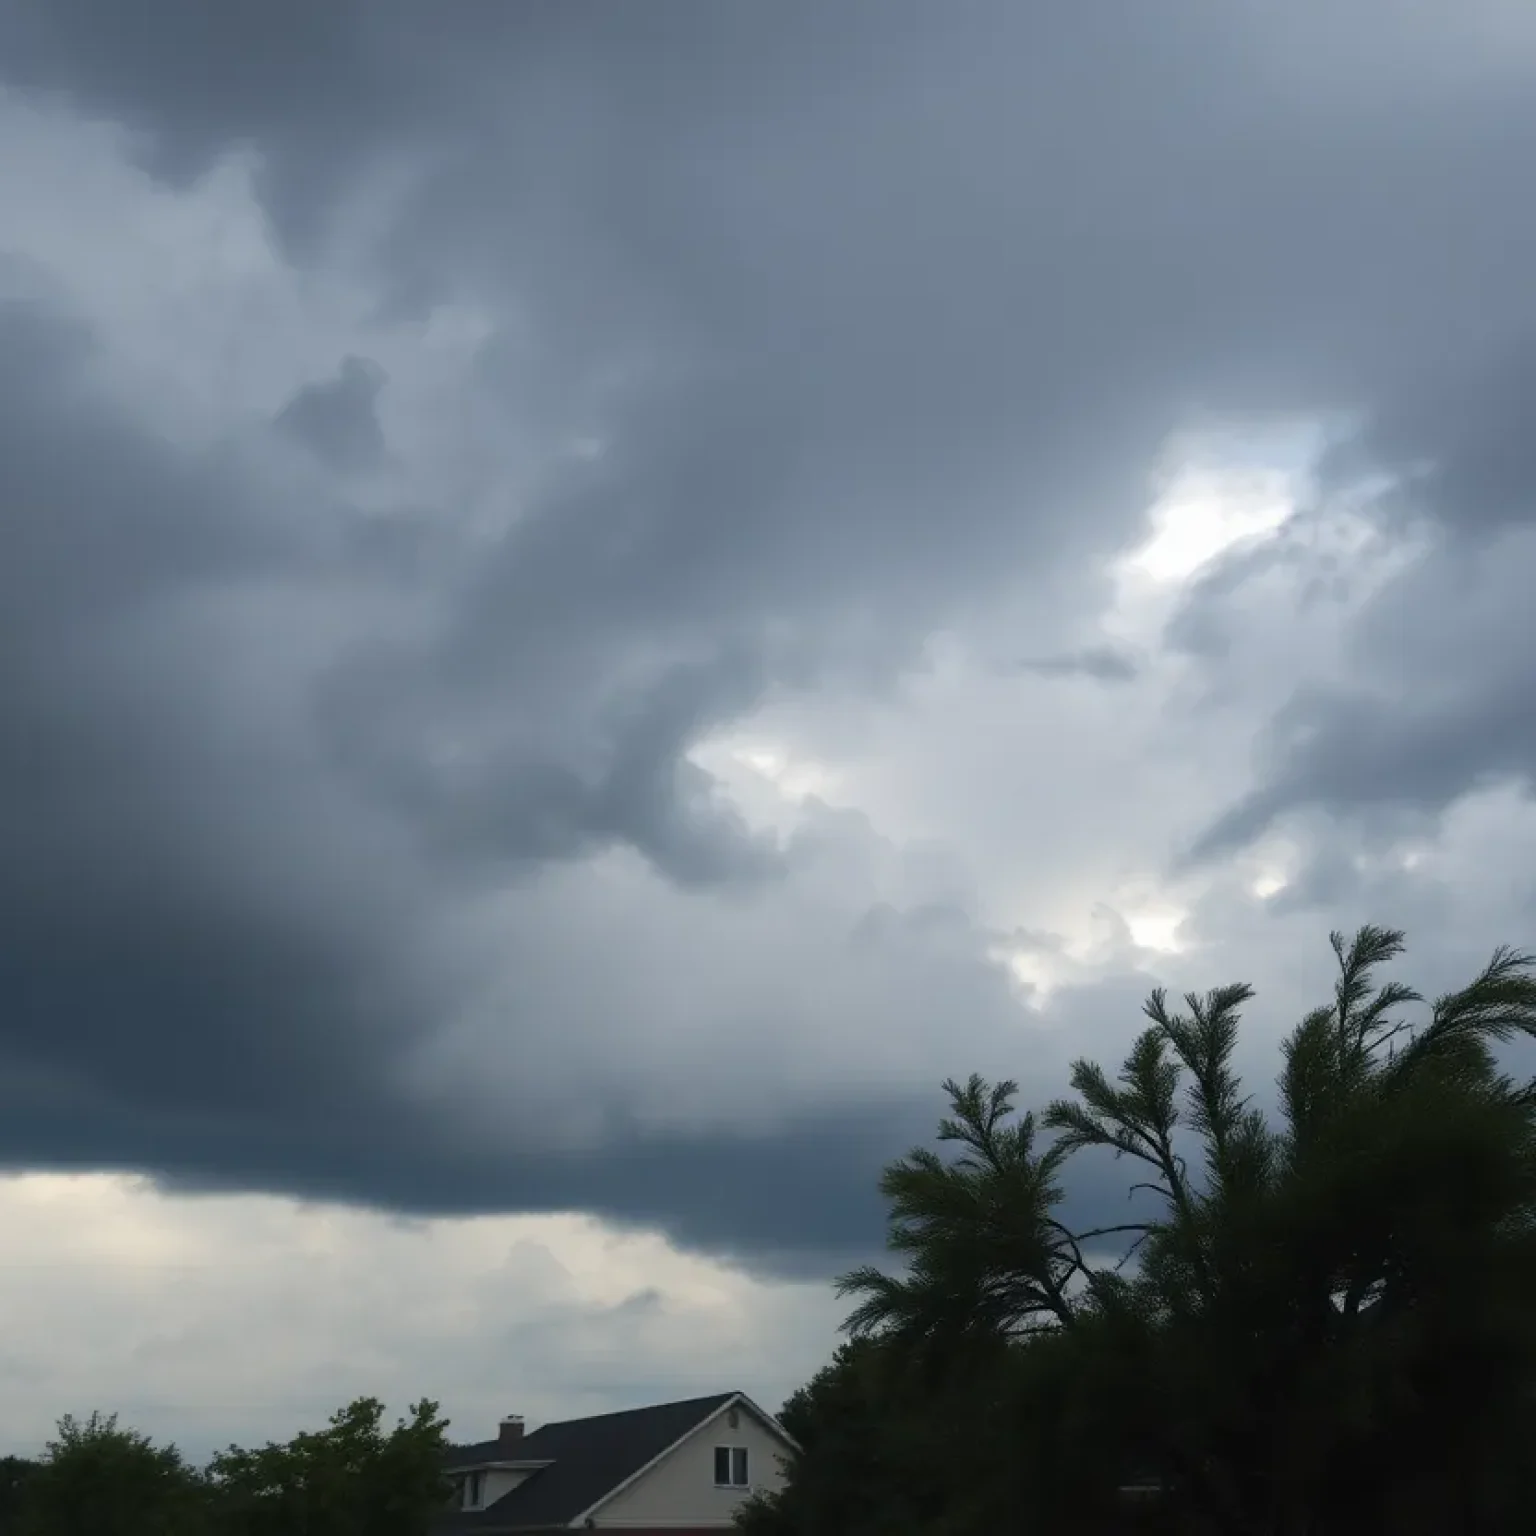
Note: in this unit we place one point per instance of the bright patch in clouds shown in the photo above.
(795, 777)
(769, 780)
(1217, 492)
(1204, 513)
(1156, 928)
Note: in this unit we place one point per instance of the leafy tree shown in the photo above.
(97, 1479)
(352, 1478)
(16, 1474)
(1329, 1323)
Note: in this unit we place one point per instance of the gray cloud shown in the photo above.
(1103, 663)
(1458, 447)
(217, 956)
(869, 320)
(1431, 703)
(337, 419)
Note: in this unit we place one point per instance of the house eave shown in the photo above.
(500, 1464)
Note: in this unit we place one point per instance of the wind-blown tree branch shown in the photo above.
(1314, 1288)
(986, 1254)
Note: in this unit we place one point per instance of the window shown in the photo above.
(730, 1466)
(474, 1488)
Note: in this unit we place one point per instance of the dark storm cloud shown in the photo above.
(206, 959)
(1435, 701)
(196, 930)
(196, 82)
(873, 310)
(738, 1196)
(1458, 448)
(150, 938)
(337, 420)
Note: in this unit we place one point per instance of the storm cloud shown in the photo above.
(493, 419)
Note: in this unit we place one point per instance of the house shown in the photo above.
(659, 1471)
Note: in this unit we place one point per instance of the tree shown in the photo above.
(1328, 1323)
(890, 1447)
(97, 1479)
(16, 1474)
(350, 1479)
(873, 1451)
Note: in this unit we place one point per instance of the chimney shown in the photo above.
(510, 1437)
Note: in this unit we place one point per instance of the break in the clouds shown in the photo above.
(554, 1317)
(593, 599)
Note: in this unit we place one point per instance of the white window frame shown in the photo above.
(732, 1453)
(474, 1490)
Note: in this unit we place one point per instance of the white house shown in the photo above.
(658, 1471)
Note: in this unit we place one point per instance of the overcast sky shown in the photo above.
(593, 598)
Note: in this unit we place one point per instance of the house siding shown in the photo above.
(498, 1483)
(679, 1494)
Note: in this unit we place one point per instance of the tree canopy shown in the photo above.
(1326, 1323)
(99, 1478)
(352, 1478)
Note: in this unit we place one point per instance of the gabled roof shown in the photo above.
(589, 1459)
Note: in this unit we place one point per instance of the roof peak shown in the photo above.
(674, 1402)
(710, 1400)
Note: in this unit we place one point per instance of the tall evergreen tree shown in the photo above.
(1328, 1323)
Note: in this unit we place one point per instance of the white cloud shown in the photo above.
(240, 1318)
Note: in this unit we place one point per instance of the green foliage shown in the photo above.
(854, 1475)
(97, 1479)
(1329, 1323)
(16, 1474)
(352, 1478)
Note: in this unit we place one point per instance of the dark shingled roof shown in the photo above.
(591, 1458)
